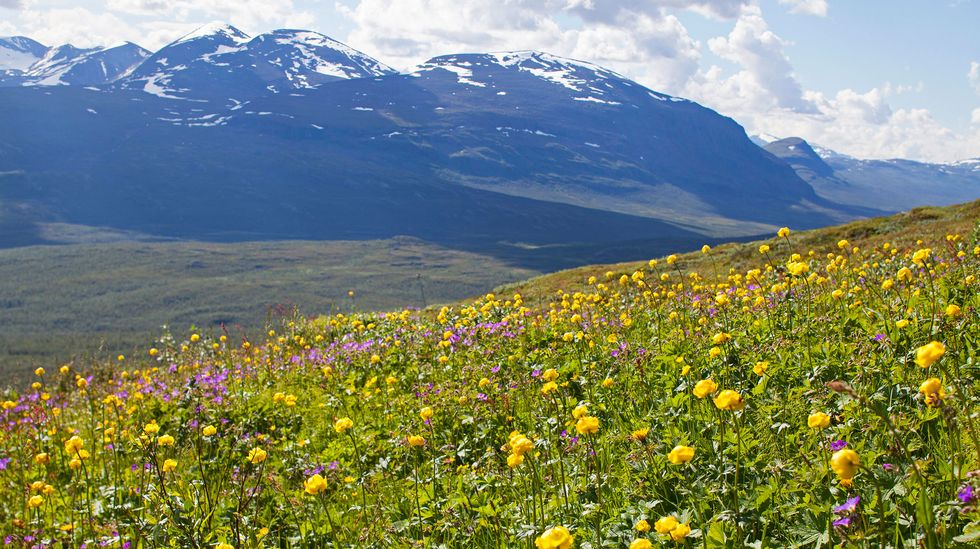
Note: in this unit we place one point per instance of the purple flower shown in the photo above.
(4, 462)
(838, 445)
(888, 466)
(966, 494)
(843, 522)
(848, 507)
(879, 337)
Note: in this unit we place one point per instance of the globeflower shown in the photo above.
(640, 435)
(783, 232)
(929, 353)
(35, 502)
(519, 444)
(557, 537)
(587, 425)
(641, 543)
(680, 532)
(74, 445)
(342, 424)
(514, 460)
(209, 430)
(933, 392)
(845, 463)
(415, 441)
(818, 420)
(665, 524)
(580, 410)
(314, 485)
(257, 455)
(42, 459)
(550, 374)
(426, 413)
(642, 526)
(705, 387)
(165, 440)
(680, 454)
(169, 465)
(760, 368)
(549, 388)
(729, 400)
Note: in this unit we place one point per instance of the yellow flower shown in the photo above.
(952, 310)
(797, 268)
(783, 232)
(643, 526)
(665, 524)
(554, 538)
(35, 502)
(550, 374)
(154, 351)
(484, 382)
(257, 455)
(151, 428)
(721, 338)
(680, 454)
(42, 459)
(580, 410)
(169, 465)
(764, 249)
(929, 353)
(209, 430)
(760, 368)
(714, 352)
(671, 259)
(642, 543)
(587, 425)
(901, 324)
(314, 485)
(932, 390)
(513, 460)
(729, 400)
(608, 382)
(640, 435)
(549, 388)
(680, 532)
(165, 440)
(342, 424)
(224, 546)
(920, 256)
(904, 274)
(74, 445)
(705, 249)
(845, 463)
(415, 441)
(818, 420)
(520, 444)
(39, 372)
(426, 413)
(705, 387)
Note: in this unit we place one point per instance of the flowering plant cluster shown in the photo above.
(818, 397)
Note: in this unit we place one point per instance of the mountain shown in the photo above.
(219, 62)
(26, 62)
(891, 185)
(19, 52)
(541, 160)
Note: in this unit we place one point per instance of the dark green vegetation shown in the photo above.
(98, 300)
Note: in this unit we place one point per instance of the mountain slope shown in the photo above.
(70, 65)
(891, 185)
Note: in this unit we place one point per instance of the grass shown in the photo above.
(822, 393)
(97, 300)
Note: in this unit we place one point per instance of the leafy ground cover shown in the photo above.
(801, 396)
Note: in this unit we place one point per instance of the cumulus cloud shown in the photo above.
(766, 69)
(809, 7)
(975, 117)
(12, 4)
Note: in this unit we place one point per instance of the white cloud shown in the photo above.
(809, 7)
(766, 69)
(12, 4)
(973, 76)
(150, 23)
(975, 117)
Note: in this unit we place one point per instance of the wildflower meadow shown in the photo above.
(822, 397)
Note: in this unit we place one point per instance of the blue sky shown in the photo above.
(869, 78)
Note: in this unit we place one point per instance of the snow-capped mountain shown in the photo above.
(70, 65)
(890, 185)
(220, 62)
(18, 53)
(29, 63)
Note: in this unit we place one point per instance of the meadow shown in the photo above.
(791, 392)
